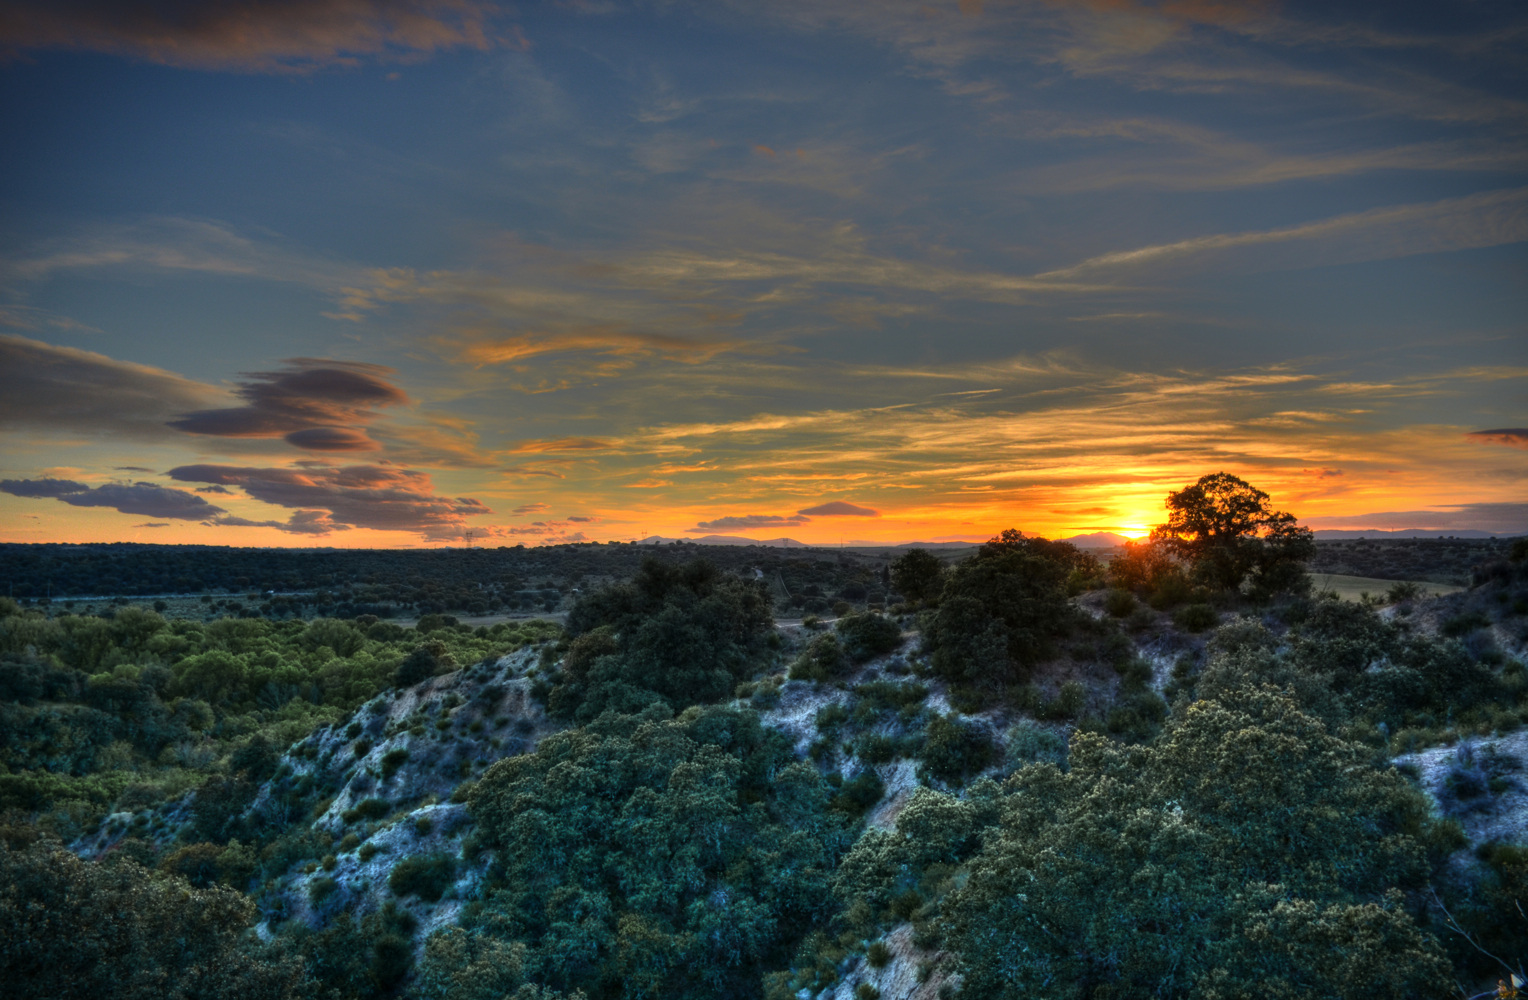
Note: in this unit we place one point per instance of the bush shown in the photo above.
(877, 749)
(1119, 603)
(1031, 743)
(368, 851)
(392, 760)
(427, 877)
(868, 635)
(78, 929)
(823, 659)
(1196, 618)
(321, 888)
(372, 808)
(954, 750)
(1309, 915)
(858, 794)
(420, 665)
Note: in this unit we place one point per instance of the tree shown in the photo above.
(649, 856)
(1000, 609)
(1246, 853)
(916, 575)
(79, 929)
(1227, 530)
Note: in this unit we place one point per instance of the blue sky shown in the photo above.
(380, 273)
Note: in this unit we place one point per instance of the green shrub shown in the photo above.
(423, 825)
(1196, 618)
(1119, 603)
(822, 660)
(878, 955)
(868, 635)
(1069, 702)
(372, 808)
(368, 851)
(392, 761)
(427, 877)
(1031, 743)
(858, 794)
(1247, 775)
(349, 842)
(322, 888)
(877, 749)
(954, 750)
(330, 862)
(866, 991)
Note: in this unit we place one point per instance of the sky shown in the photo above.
(423, 272)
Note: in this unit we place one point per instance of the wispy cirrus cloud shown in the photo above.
(277, 36)
(1491, 218)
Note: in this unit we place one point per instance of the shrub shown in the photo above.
(372, 808)
(392, 760)
(877, 749)
(1196, 618)
(1119, 603)
(878, 955)
(822, 659)
(362, 748)
(868, 635)
(349, 842)
(322, 888)
(423, 825)
(954, 750)
(420, 665)
(330, 862)
(1069, 702)
(1031, 743)
(368, 851)
(866, 991)
(859, 793)
(427, 877)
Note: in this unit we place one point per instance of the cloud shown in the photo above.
(749, 522)
(66, 389)
(359, 496)
(147, 499)
(599, 340)
(839, 508)
(1492, 218)
(214, 489)
(302, 522)
(1512, 437)
(530, 508)
(560, 444)
(315, 404)
(153, 524)
(275, 36)
(134, 468)
(581, 520)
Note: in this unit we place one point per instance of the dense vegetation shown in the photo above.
(1026, 774)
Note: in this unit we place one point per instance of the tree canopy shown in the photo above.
(1228, 530)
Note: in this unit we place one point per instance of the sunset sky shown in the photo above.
(377, 273)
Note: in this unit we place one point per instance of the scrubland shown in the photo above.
(1029, 774)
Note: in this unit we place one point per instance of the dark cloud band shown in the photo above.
(147, 499)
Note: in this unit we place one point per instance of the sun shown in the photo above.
(1134, 531)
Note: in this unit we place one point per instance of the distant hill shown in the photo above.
(1334, 534)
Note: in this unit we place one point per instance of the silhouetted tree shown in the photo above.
(1226, 528)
